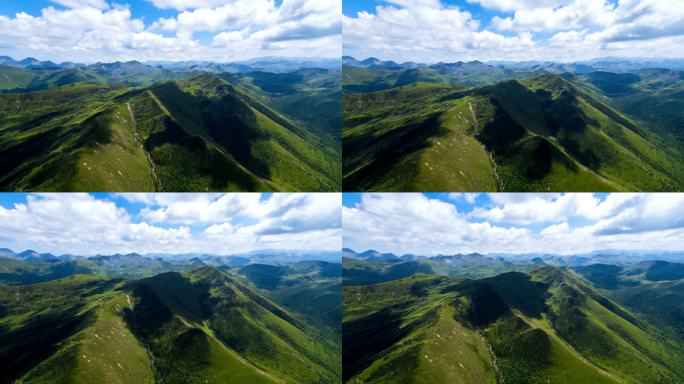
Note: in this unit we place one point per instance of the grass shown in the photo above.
(535, 327)
(195, 134)
(543, 133)
(197, 327)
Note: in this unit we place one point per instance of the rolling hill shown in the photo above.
(539, 326)
(477, 127)
(134, 127)
(366, 268)
(201, 325)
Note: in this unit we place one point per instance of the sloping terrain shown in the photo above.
(655, 288)
(312, 96)
(197, 134)
(200, 326)
(543, 133)
(373, 271)
(536, 327)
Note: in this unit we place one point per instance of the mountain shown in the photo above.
(197, 133)
(30, 254)
(32, 267)
(312, 96)
(359, 270)
(193, 327)
(28, 62)
(7, 253)
(544, 325)
(535, 131)
(312, 288)
(655, 288)
(129, 266)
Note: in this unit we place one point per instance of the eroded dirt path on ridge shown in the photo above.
(153, 169)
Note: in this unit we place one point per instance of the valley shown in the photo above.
(133, 318)
(138, 127)
(487, 319)
(471, 126)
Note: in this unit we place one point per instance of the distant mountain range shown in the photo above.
(550, 127)
(268, 256)
(595, 324)
(608, 256)
(609, 316)
(129, 126)
(268, 64)
(610, 64)
(135, 319)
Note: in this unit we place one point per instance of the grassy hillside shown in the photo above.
(312, 96)
(536, 327)
(18, 272)
(201, 326)
(539, 134)
(198, 134)
(363, 272)
(655, 288)
(15, 78)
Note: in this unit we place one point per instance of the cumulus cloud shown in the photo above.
(182, 5)
(513, 5)
(566, 30)
(516, 223)
(573, 15)
(173, 223)
(414, 223)
(99, 4)
(98, 30)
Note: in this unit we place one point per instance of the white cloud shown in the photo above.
(173, 223)
(515, 223)
(640, 213)
(513, 5)
(91, 30)
(573, 15)
(565, 30)
(199, 208)
(423, 30)
(525, 208)
(556, 229)
(99, 4)
(182, 5)
(414, 223)
(469, 198)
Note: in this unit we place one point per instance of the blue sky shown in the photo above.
(217, 30)
(87, 224)
(519, 30)
(352, 7)
(431, 224)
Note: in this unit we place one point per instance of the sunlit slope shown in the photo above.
(205, 306)
(197, 327)
(540, 327)
(51, 335)
(542, 134)
(197, 134)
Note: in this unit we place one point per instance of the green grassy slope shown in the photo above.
(540, 134)
(201, 326)
(14, 78)
(197, 134)
(312, 96)
(209, 305)
(18, 272)
(363, 272)
(473, 74)
(536, 327)
(654, 288)
(653, 96)
(311, 288)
